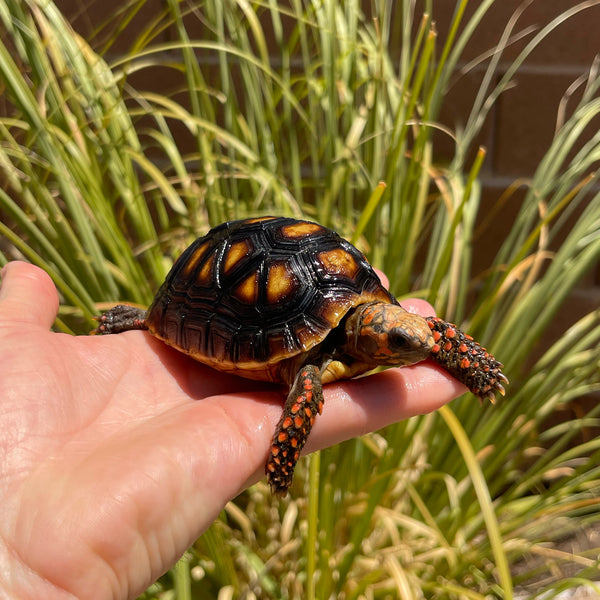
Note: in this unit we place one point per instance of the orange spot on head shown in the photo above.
(450, 333)
(448, 346)
(369, 314)
(463, 348)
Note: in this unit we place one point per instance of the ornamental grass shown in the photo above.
(317, 109)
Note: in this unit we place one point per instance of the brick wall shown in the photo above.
(521, 125)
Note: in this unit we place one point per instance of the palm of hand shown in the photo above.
(116, 452)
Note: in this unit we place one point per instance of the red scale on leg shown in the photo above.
(303, 403)
(482, 376)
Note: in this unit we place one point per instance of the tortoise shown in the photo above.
(290, 301)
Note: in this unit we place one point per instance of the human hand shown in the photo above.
(117, 452)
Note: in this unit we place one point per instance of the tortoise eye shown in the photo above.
(398, 338)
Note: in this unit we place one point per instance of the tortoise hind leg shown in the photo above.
(303, 403)
(121, 318)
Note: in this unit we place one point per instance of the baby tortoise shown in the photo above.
(283, 300)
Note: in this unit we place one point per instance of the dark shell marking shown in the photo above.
(291, 301)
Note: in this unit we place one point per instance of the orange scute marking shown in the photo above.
(281, 283)
(298, 422)
(204, 277)
(260, 219)
(247, 291)
(282, 436)
(194, 259)
(301, 229)
(287, 423)
(236, 252)
(338, 262)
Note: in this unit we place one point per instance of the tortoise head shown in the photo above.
(380, 333)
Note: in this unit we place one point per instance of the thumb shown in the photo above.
(27, 295)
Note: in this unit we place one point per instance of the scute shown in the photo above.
(255, 292)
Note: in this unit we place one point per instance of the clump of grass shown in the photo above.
(304, 109)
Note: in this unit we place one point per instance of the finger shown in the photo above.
(384, 278)
(412, 305)
(353, 408)
(27, 295)
(418, 307)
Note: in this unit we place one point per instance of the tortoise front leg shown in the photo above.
(466, 360)
(303, 403)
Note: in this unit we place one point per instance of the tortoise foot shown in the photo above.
(121, 318)
(466, 360)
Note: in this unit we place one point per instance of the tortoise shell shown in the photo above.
(253, 293)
